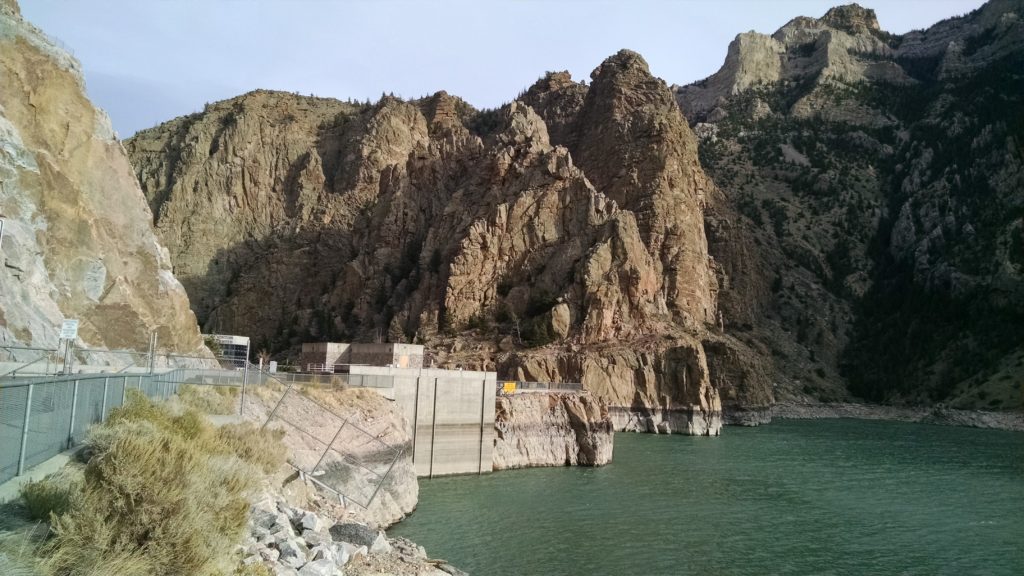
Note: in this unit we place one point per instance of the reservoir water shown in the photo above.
(794, 497)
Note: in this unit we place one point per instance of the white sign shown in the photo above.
(69, 330)
(273, 367)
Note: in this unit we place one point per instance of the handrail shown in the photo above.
(14, 373)
(12, 347)
(44, 378)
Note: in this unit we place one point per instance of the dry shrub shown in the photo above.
(210, 399)
(163, 494)
(255, 569)
(260, 447)
(19, 554)
(47, 496)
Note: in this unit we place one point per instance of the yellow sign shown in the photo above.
(508, 388)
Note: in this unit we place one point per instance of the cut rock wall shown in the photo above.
(551, 429)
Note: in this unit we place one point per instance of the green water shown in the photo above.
(794, 497)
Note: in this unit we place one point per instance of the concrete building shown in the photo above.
(330, 356)
(234, 350)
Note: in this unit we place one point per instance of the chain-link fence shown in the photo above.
(41, 417)
(344, 453)
(330, 448)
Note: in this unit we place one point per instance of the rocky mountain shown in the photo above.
(836, 213)
(78, 240)
(871, 220)
(571, 253)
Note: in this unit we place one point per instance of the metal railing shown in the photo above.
(518, 386)
(41, 417)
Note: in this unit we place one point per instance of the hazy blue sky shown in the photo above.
(147, 61)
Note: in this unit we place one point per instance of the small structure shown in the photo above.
(234, 350)
(332, 357)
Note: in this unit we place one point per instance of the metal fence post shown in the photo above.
(103, 409)
(74, 409)
(124, 389)
(245, 379)
(24, 431)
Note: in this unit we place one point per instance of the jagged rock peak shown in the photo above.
(442, 111)
(552, 81)
(851, 18)
(622, 62)
(524, 126)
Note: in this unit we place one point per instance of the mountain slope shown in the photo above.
(297, 219)
(881, 176)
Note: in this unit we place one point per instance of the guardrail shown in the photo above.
(508, 387)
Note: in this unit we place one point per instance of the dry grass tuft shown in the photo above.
(163, 494)
(47, 496)
(256, 569)
(210, 399)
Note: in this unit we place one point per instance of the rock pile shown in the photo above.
(292, 541)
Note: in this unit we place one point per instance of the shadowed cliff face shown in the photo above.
(78, 241)
(868, 226)
(296, 219)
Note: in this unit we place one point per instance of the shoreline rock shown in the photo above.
(1013, 421)
(551, 429)
(292, 541)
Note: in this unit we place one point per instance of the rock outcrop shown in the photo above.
(845, 46)
(551, 429)
(78, 240)
(483, 234)
(868, 223)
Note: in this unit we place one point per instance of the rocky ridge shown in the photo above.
(78, 240)
(870, 209)
(586, 232)
(478, 233)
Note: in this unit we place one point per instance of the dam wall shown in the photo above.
(449, 415)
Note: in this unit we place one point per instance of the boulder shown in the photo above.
(319, 568)
(310, 521)
(354, 533)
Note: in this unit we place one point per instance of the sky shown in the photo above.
(147, 61)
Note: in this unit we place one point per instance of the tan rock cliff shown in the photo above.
(557, 429)
(78, 240)
(294, 219)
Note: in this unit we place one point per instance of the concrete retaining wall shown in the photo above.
(449, 415)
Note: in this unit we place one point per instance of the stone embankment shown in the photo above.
(938, 415)
(292, 541)
(551, 429)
